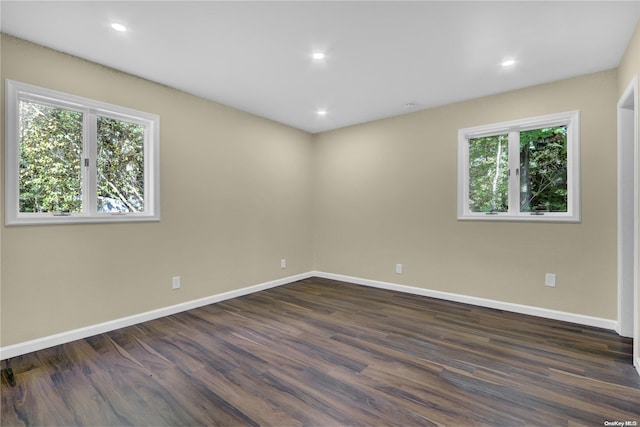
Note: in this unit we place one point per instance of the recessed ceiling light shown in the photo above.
(318, 55)
(118, 27)
(508, 62)
(321, 112)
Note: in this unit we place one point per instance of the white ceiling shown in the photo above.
(381, 55)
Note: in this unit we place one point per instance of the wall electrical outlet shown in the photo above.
(283, 263)
(550, 280)
(175, 282)
(398, 268)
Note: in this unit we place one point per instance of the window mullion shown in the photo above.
(91, 155)
(514, 175)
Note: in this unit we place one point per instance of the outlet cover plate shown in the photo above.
(550, 280)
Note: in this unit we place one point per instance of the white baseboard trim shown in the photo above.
(637, 365)
(482, 302)
(76, 334)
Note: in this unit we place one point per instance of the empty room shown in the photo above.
(327, 213)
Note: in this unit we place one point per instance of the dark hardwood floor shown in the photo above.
(325, 353)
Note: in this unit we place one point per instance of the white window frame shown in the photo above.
(513, 128)
(16, 91)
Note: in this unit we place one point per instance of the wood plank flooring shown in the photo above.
(325, 353)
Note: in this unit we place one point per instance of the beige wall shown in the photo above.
(235, 193)
(386, 194)
(630, 67)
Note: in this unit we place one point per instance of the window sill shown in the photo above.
(547, 217)
(79, 219)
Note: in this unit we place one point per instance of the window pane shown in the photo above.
(120, 166)
(543, 170)
(50, 172)
(488, 174)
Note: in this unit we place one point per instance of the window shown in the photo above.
(71, 159)
(525, 170)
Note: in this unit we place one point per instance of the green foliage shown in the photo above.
(120, 166)
(488, 174)
(51, 161)
(543, 170)
(50, 176)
